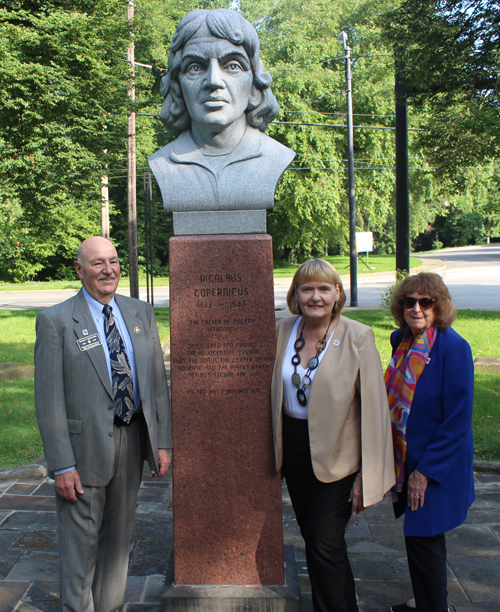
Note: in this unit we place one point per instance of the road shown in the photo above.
(471, 273)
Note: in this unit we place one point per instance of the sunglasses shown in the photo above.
(425, 303)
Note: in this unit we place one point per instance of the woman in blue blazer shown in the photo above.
(430, 387)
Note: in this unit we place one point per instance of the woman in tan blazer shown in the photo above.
(331, 426)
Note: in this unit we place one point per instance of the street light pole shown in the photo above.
(353, 255)
(402, 189)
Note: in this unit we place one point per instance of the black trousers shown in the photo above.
(427, 564)
(322, 512)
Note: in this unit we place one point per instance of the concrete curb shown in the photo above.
(486, 467)
(33, 470)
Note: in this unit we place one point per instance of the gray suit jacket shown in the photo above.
(73, 399)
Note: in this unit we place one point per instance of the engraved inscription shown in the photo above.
(226, 359)
(219, 286)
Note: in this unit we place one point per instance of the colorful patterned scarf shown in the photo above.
(401, 377)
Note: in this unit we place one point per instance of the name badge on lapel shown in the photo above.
(84, 344)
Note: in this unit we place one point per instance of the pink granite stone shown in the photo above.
(227, 495)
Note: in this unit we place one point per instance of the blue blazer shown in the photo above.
(439, 436)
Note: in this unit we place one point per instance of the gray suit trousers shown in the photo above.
(95, 532)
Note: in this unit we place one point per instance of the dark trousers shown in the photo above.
(427, 564)
(322, 512)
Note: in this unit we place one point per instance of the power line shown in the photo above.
(333, 125)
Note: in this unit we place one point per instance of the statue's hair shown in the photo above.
(231, 26)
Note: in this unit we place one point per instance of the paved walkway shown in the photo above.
(29, 554)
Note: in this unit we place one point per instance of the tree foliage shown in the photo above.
(62, 79)
(64, 104)
(449, 51)
(301, 51)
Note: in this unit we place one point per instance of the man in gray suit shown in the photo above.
(102, 406)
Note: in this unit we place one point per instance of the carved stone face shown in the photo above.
(216, 82)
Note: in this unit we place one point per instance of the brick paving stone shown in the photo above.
(11, 592)
(479, 576)
(372, 567)
(495, 607)
(26, 607)
(35, 565)
(7, 561)
(40, 606)
(28, 550)
(135, 588)
(7, 538)
(149, 494)
(31, 521)
(45, 540)
(47, 489)
(378, 595)
(45, 590)
(37, 481)
(477, 540)
(377, 544)
(154, 588)
(27, 502)
(6, 484)
(22, 489)
(486, 501)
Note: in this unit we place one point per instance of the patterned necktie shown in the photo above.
(121, 373)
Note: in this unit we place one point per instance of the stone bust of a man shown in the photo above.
(218, 104)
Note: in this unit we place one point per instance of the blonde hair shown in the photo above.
(315, 270)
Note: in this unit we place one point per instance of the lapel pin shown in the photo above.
(85, 332)
(137, 329)
(336, 342)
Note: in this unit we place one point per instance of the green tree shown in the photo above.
(301, 51)
(63, 85)
(449, 53)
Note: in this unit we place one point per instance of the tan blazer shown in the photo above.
(349, 422)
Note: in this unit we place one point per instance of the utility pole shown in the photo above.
(402, 190)
(104, 207)
(353, 255)
(131, 167)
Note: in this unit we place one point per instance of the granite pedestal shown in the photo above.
(226, 493)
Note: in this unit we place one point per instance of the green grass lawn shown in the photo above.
(379, 263)
(19, 438)
(20, 441)
(481, 329)
(158, 281)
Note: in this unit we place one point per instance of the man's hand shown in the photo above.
(163, 462)
(357, 496)
(417, 485)
(67, 484)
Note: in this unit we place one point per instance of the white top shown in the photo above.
(290, 402)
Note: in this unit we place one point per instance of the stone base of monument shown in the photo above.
(234, 597)
(228, 530)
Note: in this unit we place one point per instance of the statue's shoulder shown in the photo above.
(181, 144)
(271, 147)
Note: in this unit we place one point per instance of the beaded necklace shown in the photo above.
(312, 365)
